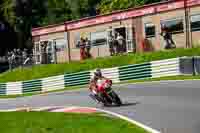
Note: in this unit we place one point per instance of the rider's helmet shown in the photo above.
(98, 73)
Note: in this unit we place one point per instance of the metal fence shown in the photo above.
(20, 61)
(15, 61)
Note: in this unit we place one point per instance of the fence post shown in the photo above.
(194, 65)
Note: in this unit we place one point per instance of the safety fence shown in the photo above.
(169, 67)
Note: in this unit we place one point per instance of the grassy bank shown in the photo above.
(36, 122)
(41, 71)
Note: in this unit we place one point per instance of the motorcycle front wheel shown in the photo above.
(116, 99)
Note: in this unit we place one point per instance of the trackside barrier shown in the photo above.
(53, 83)
(138, 71)
(32, 86)
(169, 67)
(14, 88)
(154, 69)
(2, 89)
(76, 79)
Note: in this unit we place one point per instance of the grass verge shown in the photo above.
(45, 122)
(41, 71)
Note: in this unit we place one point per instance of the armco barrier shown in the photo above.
(154, 69)
(169, 67)
(14, 88)
(76, 79)
(135, 71)
(2, 89)
(32, 86)
(53, 83)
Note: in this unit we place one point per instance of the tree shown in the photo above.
(83, 8)
(57, 12)
(7, 26)
(107, 6)
(65, 10)
(22, 15)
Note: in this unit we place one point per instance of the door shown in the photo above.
(51, 52)
(109, 34)
(130, 39)
(60, 50)
(37, 53)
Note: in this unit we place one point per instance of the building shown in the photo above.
(134, 25)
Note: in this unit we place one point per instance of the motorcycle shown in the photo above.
(105, 94)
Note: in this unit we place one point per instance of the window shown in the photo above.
(195, 23)
(150, 30)
(49, 47)
(77, 39)
(98, 38)
(37, 47)
(60, 44)
(38, 58)
(173, 26)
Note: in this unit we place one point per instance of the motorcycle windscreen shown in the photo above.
(101, 82)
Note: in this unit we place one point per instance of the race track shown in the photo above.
(170, 107)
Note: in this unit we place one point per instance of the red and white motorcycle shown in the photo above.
(105, 94)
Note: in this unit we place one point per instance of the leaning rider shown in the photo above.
(93, 84)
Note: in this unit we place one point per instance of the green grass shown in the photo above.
(46, 122)
(41, 71)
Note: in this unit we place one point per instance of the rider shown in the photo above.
(93, 83)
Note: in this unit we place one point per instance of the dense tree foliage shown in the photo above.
(107, 6)
(18, 17)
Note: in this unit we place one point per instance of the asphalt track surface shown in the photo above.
(170, 107)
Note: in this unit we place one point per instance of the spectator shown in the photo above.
(167, 36)
(146, 45)
(13, 58)
(9, 57)
(24, 55)
(82, 49)
(19, 57)
(111, 45)
(88, 47)
(120, 41)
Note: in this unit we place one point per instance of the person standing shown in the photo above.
(111, 45)
(167, 36)
(120, 41)
(88, 47)
(82, 49)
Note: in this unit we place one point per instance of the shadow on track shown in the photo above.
(125, 104)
